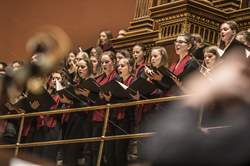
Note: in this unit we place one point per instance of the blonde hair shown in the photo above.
(164, 55)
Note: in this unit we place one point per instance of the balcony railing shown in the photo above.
(100, 139)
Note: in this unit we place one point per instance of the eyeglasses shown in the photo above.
(180, 41)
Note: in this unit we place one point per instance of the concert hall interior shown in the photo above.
(125, 83)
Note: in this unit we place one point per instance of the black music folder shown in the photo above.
(144, 87)
(23, 104)
(90, 84)
(44, 98)
(117, 90)
(166, 72)
(68, 92)
(168, 78)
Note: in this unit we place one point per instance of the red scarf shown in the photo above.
(48, 120)
(43, 120)
(3, 124)
(138, 69)
(98, 116)
(65, 116)
(177, 70)
(120, 112)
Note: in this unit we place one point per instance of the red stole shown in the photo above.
(3, 124)
(98, 116)
(107, 46)
(65, 116)
(177, 70)
(42, 120)
(138, 69)
(120, 112)
(26, 126)
(48, 120)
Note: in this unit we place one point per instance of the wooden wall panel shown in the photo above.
(81, 19)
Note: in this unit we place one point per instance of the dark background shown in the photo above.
(81, 19)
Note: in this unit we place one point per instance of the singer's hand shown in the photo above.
(65, 100)
(83, 92)
(177, 81)
(205, 131)
(157, 76)
(34, 104)
(72, 67)
(108, 96)
(148, 72)
(179, 84)
(9, 106)
(80, 49)
(101, 95)
(136, 96)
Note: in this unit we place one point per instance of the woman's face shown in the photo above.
(103, 37)
(107, 64)
(71, 59)
(56, 77)
(121, 33)
(209, 59)
(119, 56)
(226, 33)
(82, 69)
(79, 57)
(93, 52)
(156, 58)
(94, 62)
(138, 54)
(123, 68)
(181, 46)
(72, 55)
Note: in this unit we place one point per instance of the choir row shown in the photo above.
(105, 75)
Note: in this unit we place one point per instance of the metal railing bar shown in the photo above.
(104, 129)
(79, 140)
(93, 108)
(19, 135)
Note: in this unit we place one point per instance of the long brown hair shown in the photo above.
(108, 42)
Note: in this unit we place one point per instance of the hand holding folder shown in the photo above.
(90, 84)
(82, 92)
(87, 89)
(117, 91)
(23, 105)
(34, 104)
(166, 73)
(144, 87)
(68, 92)
(168, 78)
(44, 99)
(90, 89)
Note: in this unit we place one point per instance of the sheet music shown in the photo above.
(247, 53)
(59, 86)
(220, 51)
(122, 85)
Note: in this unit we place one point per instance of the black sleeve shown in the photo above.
(189, 68)
(130, 116)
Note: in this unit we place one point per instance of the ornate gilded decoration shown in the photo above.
(159, 22)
